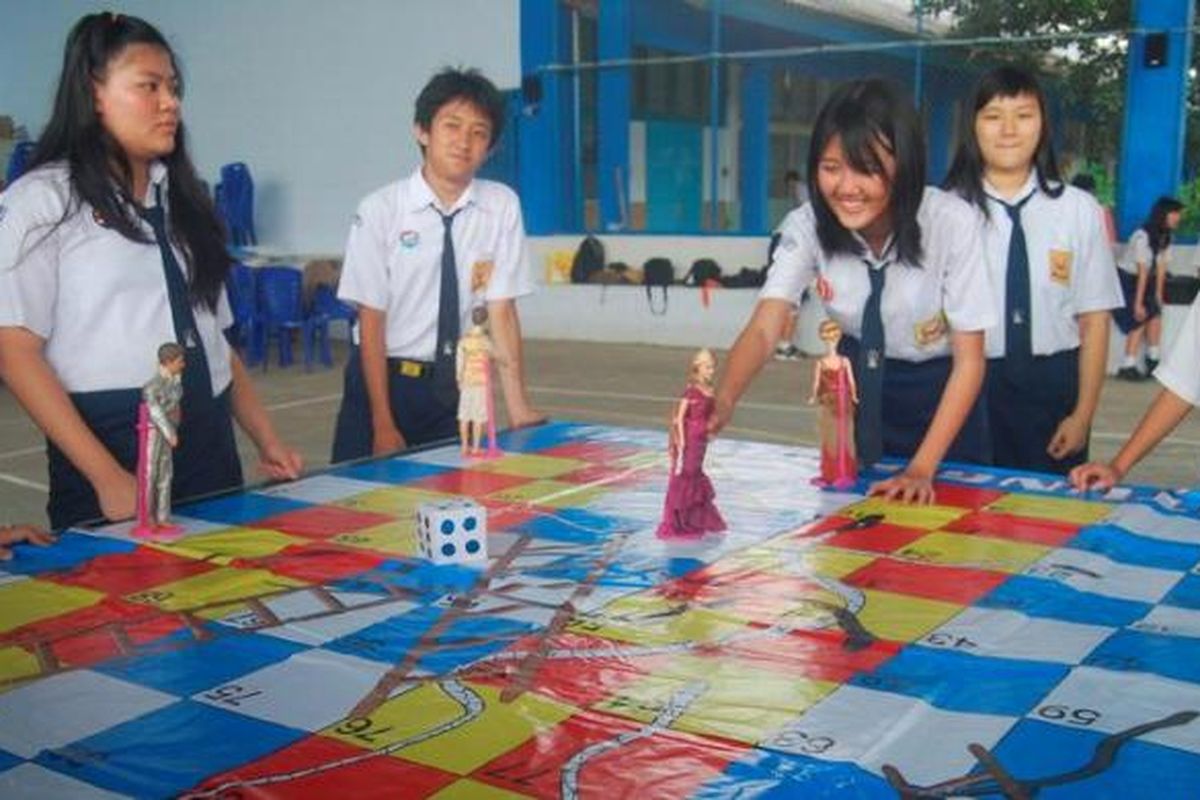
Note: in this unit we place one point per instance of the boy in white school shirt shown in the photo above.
(422, 252)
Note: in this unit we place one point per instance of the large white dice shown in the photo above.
(452, 531)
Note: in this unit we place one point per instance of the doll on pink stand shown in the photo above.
(834, 389)
(158, 428)
(689, 511)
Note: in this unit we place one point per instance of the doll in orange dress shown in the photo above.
(689, 511)
(834, 389)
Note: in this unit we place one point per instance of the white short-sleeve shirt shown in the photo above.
(1138, 251)
(922, 303)
(1179, 370)
(1070, 264)
(394, 257)
(98, 299)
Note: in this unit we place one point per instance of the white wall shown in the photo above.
(317, 97)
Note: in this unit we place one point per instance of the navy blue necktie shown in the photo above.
(1018, 336)
(444, 374)
(197, 381)
(869, 371)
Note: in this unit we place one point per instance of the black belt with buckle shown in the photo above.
(408, 368)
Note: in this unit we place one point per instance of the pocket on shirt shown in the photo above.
(932, 331)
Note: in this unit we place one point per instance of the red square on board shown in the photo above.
(826, 654)
(468, 482)
(322, 522)
(131, 572)
(1049, 532)
(596, 452)
(957, 494)
(318, 563)
(605, 474)
(665, 764)
(950, 584)
(315, 762)
(880, 538)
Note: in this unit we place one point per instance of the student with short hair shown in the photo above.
(900, 268)
(109, 246)
(422, 252)
(1179, 374)
(1051, 267)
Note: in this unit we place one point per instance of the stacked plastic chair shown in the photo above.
(17, 161)
(329, 309)
(281, 311)
(242, 287)
(234, 198)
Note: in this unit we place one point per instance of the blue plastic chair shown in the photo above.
(17, 161)
(281, 312)
(242, 287)
(327, 306)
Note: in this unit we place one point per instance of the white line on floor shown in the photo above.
(25, 451)
(13, 479)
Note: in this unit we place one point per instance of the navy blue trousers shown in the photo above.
(206, 460)
(911, 393)
(417, 412)
(1024, 416)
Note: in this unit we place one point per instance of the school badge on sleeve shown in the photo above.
(481, 274)
(931, 331)
(1060, 266)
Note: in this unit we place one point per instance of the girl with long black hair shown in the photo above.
(109, 246)
(900, 268)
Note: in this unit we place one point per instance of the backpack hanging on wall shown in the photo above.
(658, 272)
(589, 259)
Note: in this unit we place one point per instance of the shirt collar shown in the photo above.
(885, 256)
(157, 183)
(421, 196)
(1031, 186)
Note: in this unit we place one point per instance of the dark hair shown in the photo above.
(1155, 225)
(966, 170)
(1085, 181)
(468, 85)
(867, 114)
(169, 351)
(100, 173)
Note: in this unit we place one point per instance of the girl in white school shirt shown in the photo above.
(1047, 351)
(872, 221)
(87, 295)
(1149, 252)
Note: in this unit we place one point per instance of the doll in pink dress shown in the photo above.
(834, 389)
(689, 512)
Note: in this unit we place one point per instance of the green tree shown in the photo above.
(1088, 71)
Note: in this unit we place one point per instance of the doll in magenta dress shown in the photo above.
(689, 511)
(834, 389)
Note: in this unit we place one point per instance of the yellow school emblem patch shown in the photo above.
(481, 273)
(931, 330)
(1060, 266)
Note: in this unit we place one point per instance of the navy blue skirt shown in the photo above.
(911, 393)
(1124, 316)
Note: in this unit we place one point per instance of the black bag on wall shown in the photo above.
(589, 259)
(658, 272)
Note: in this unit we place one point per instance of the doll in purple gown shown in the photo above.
(689, 512)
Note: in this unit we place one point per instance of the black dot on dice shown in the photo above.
(469, 524)
(447, 526)
(472, 546)
(447, 549)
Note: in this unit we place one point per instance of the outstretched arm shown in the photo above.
(506, 333)
(276, 459)
(1167, 411)
(1071, 435)
(752, 349)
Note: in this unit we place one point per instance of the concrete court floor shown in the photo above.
(633, 385)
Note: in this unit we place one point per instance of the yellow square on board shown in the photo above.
(651, 619)
(222, 547)
(224, 585)
(456, 726)
(727, 698)
(16, 663)
(395, 501)
(803, 559)
(554, 494)
(906, 515)
(532, 466)
(397, 538)
(467, 789)
(1061, 509)
(23, 602)
(974, 552)
(902, 617)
